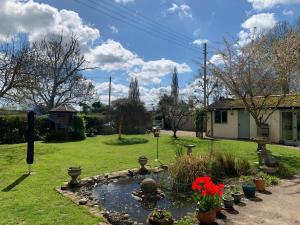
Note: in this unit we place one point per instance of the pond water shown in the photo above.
(116, 196)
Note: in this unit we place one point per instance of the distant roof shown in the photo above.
(288, 101)
(63, 108)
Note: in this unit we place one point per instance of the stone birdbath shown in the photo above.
(189, 148)
(74, 173)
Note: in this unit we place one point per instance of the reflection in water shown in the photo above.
(116, 196)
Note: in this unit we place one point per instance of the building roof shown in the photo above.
(63, 108)
(287, 101)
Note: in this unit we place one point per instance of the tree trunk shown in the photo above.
(174, 134)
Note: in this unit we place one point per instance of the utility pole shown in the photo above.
(204, 75)
(109, 94)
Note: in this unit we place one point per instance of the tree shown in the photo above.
(57, 68)
(130, 113)
(248, 73)
(172, 108)
(15, 73)
(134, 92)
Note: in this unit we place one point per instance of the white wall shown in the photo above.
(230, 129)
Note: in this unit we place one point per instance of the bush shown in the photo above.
(126, 141)
(94, 123)
(77, 132)
(13, 129)
(79, 129)
(185, 169)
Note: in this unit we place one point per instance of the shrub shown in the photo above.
(126, 141)
(13, 129)
(94, 123)
(184, 170)
(79, 129)
(56, 136)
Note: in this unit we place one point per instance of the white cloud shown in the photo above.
(261, 22)
(256, 24)
(124, 1)
(183, 10)
(200, 42)
(153, 71)
(288, 12)
(112, 56)
(114, 29)
(268, 4)
(41, 20)
(197, 32)
(217, 59)
(117, 91)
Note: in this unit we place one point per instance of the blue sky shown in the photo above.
(121, 50)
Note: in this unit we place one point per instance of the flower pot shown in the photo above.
(237, 197)
(249, 190)
(206, 217)
(228, 202)
(156, 221)
(218, 210)
(74, 173)
(143, 161)
(259, 183)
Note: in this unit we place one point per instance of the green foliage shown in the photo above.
(95, 122)
(126, 141)
(161, 214)
(179, 151)
(13, 129)
(230, 165)
(77, 132)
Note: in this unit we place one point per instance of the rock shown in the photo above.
(149, 185)
(82, 201)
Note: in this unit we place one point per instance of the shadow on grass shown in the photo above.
(15, 183)
(126, 141)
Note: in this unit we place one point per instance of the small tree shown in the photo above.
(174, 109)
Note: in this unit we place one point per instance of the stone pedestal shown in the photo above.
(189, 149)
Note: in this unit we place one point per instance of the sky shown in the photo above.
(145, 39)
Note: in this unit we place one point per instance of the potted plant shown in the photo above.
(160, 217)
(259, 181)
(208, 198)
(227, 200)
(237, 194)
(248, 186)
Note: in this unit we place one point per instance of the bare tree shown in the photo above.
(57, 69)
(249, 74)
(282, 44)
(14, 71)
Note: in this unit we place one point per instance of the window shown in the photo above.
(220, 116)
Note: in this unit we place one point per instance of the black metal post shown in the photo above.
(30, 140)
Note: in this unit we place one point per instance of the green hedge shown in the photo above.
(77, 132)
(95, 125)
(13, 129)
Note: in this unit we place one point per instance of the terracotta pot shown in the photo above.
(218, 210)
(260, 184)
(206, 217)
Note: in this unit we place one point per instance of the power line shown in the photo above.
(160, 26)
(131, 17)
(135, 26)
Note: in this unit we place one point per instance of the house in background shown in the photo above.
(228, 118)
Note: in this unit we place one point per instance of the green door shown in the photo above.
(244, 124)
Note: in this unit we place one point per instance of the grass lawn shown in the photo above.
(33, 199)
